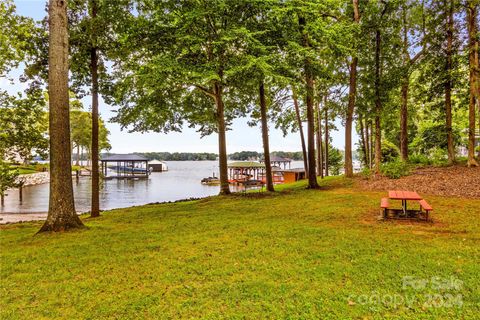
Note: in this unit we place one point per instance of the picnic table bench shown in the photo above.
(404, 212)
(248, 184)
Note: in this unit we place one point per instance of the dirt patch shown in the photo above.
(457, 181)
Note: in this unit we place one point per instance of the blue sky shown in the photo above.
(241, 137)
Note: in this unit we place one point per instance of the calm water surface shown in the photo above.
(180, 182)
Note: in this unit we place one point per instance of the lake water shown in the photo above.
(181, 181)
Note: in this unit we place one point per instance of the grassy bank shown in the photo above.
(297, 254)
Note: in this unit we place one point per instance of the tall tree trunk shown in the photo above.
(448, 82)
(367, 144)
(300, 127)
(266, 146)
(222, 142)
(61, 211)
(371, 144)
(325, 105)
(351, 102)
(404, 90)
(404, 120)
(378, 104)
(474, 88)
(363, 140)
(319, 141)
(95, 201)
(78, 155)
(312, 176)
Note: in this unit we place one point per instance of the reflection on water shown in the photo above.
(180, 182)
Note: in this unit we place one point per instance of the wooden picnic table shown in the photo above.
(404, 196)
(404, 213)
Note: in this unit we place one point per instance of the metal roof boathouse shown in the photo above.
(279, 162)
(126, 166)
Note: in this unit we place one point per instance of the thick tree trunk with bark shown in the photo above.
(266, 146)
(448, 82)
(351, 102)
(61, 210)
(222, 142)
(325, 100)
(95, 205)
(474, 78)
(300, 128)
(319, 141)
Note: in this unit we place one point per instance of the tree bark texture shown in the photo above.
(378, 104)
(222, 142)
(319, 141)
(325, 105)
(61, 211)
(474, 87)
(266, 146)
(300, 127)
(363, 140)
(312, 176)
(351, 102)
(95, 201)
(448, 82)
(404, 93)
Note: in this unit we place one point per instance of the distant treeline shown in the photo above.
(199, 156)
(179, 156)
(252, 155)
(176, 156)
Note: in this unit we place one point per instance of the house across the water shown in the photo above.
(157, 166)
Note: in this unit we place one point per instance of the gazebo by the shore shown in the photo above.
(126, 166)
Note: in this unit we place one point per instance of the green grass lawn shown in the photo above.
(25, 170)
(299, 254)
(29, 168)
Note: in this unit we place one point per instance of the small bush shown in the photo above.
(366, 172)
(390, 152)
(420, 159)
(395, 169)
(439, 157)
(461, 160)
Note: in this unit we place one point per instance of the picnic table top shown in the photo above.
(404, 195)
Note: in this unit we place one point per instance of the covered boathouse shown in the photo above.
(125, 166)
(279, 162)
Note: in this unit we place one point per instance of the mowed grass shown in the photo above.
(298, 254)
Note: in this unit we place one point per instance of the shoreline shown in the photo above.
(11, 217)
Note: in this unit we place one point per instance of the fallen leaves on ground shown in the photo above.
(458, 181)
